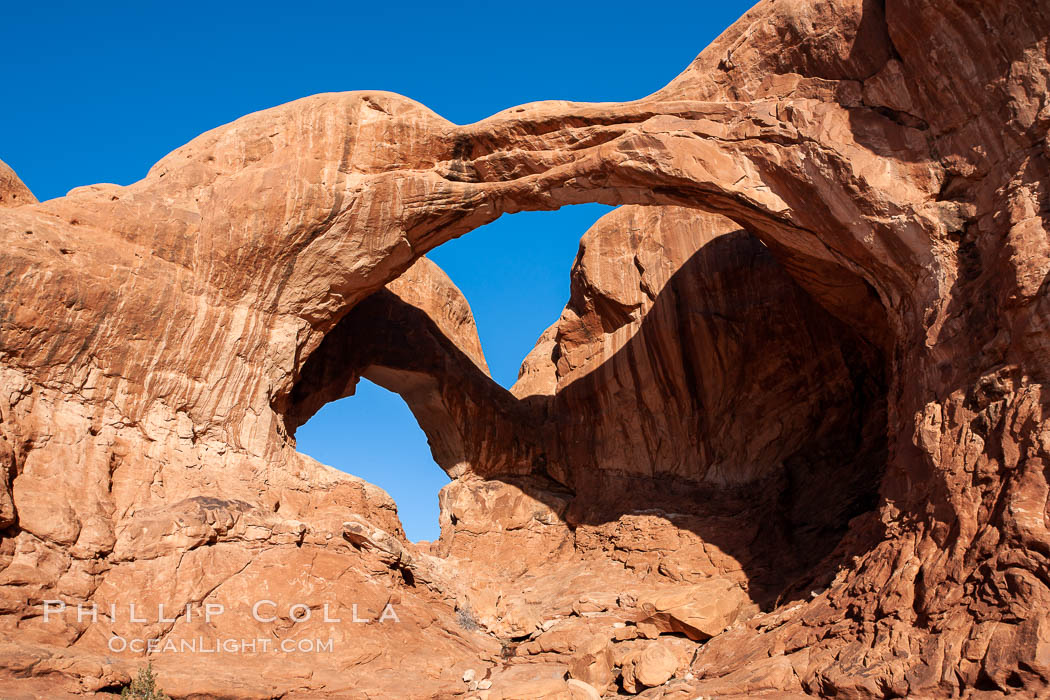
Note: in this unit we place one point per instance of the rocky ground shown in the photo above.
(787, 438)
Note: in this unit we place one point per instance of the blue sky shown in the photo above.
(98, 92)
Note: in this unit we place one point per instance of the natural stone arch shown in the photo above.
(849, 151)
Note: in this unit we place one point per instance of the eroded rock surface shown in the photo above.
(13, 192)
(810, 367)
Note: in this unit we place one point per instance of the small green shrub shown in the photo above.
(144, 687)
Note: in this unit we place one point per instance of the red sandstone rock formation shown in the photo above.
(13, 192)
(808, 374)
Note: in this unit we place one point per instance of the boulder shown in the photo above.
(698, 611)
(647, 667)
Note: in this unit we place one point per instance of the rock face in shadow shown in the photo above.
(693, 413)
(880, 496)
(695, 377)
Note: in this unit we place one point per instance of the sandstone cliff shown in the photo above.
(788, 436)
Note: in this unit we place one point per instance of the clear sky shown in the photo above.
(98, 92)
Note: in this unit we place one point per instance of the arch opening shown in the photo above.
(513, 271)
(373, 435)
(690, 374)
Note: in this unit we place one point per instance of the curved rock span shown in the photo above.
(788, 436)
